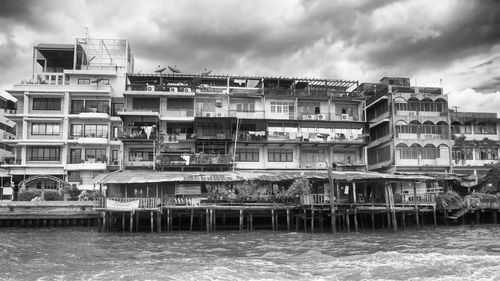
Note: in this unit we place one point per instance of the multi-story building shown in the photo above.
(85, 112)
(476, 142)
(241, 122)
(409, 127)
(7, 129)
(65, 112)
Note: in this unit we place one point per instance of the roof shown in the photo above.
(49, 46)
(149, 176)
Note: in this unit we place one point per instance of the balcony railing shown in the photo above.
(198, 159)
(89, 160)
(136, 135)
(11, 161)
(213, 135)
(99, 109)
(419, 198)
(178, 113)
(144, 203)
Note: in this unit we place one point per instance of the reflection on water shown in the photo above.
(450, 253)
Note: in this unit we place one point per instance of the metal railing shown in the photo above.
(419, 198)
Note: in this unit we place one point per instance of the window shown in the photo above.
(76, 130)
(45, 129)
(74, 176)
(140, 154)
(76, 106)
(280, 155)
(99, 154)
(282, 107)
(346, 157)
(309, 156)
(75, 156)
(245, 107)
(96, 131)
(117, 107)
(114, 155)
(44, 153)
(46, 104)
(247, 155)
(83, 81)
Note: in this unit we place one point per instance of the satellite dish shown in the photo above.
(160, 69)
(174, 69)
(205, 73)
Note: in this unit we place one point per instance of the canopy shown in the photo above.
(149, 176)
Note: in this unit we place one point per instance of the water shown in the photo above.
(448, 253)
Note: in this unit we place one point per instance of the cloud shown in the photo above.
(471, 100)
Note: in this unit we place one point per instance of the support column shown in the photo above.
(272, 219)
(312, 219)
(392, 208)
(131, 226)
(137, 221)
(123, 221)
(434, 215)
(416, 205)
(241, 219)
(158, 221)
(152, 221)
(191, 220)
(288, 220)
(207, 214)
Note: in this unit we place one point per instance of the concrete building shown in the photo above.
(65, 111)
(476, 142)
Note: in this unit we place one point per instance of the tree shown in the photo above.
(490, 183)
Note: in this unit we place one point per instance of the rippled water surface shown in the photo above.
(448, 253)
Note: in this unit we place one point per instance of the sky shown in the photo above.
(453, 43)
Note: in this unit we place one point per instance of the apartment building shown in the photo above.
(65, 111)
(220, 122)
(7, 128)
(476, 142)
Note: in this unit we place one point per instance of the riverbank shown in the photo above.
(243, 217)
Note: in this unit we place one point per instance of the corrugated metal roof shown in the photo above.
(149, 176)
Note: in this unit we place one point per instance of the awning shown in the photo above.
(149, 176)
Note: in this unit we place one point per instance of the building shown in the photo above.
(476, 142)
(7, 132)
(85, 112)
(65, 112)
(409, 127)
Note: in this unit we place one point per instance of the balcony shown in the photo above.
(473, 163)
(214, 135)
(167, 90)
(59, 83)
(194, 161)
(155, 112)
(101, 112)
(339, 136)
(98, 163)
(10, 161)
(247, 114)
(91, 138)
(178, 115)
(136, 135)
(175, 138)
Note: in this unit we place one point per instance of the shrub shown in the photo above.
(51, 195)
(450, 199)
(300, 186)
(28, 195)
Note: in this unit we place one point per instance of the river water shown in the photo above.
(447, 253)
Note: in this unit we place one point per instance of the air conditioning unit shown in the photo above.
(186, 90)
(115, 162)
(150, 88)
(208, 114)
(309, 117)
(345, 117)
(220, 114)
(172, 89)
(412, 113)
(321, 116)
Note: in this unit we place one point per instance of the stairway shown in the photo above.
(458, 213)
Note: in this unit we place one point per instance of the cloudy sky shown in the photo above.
(453, 42)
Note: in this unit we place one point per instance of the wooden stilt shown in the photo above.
(373, 219)
(191, 220)
(356, 219)
(477, 217)
(137, 221)
(495, 217)
(403, 219)
(392, 208)
(296, 223)
(105, 222)
(251, 221)
(123, 221)
(179, 221)
(416, 204)
(241, 219)
(152, 221)
(158, 221)
(99, 226)
(434, 215)
(304, 218)
(348, 221)
(224, 221)
(312, 219)
(272, 219)
(214, 217)
(207, 212)
(131, 227)
(288, 220)
(321, 226)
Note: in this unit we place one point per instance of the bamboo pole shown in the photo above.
(152, 221)
(123, 221)
(207, 220)
(137, 221)
(393, 211)
(355, 207)
(387, 205)
(434, 215)
(312, 219)
(272, 219)
(416, 205)
(191, 220)
(158, 221)
(241, 220)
